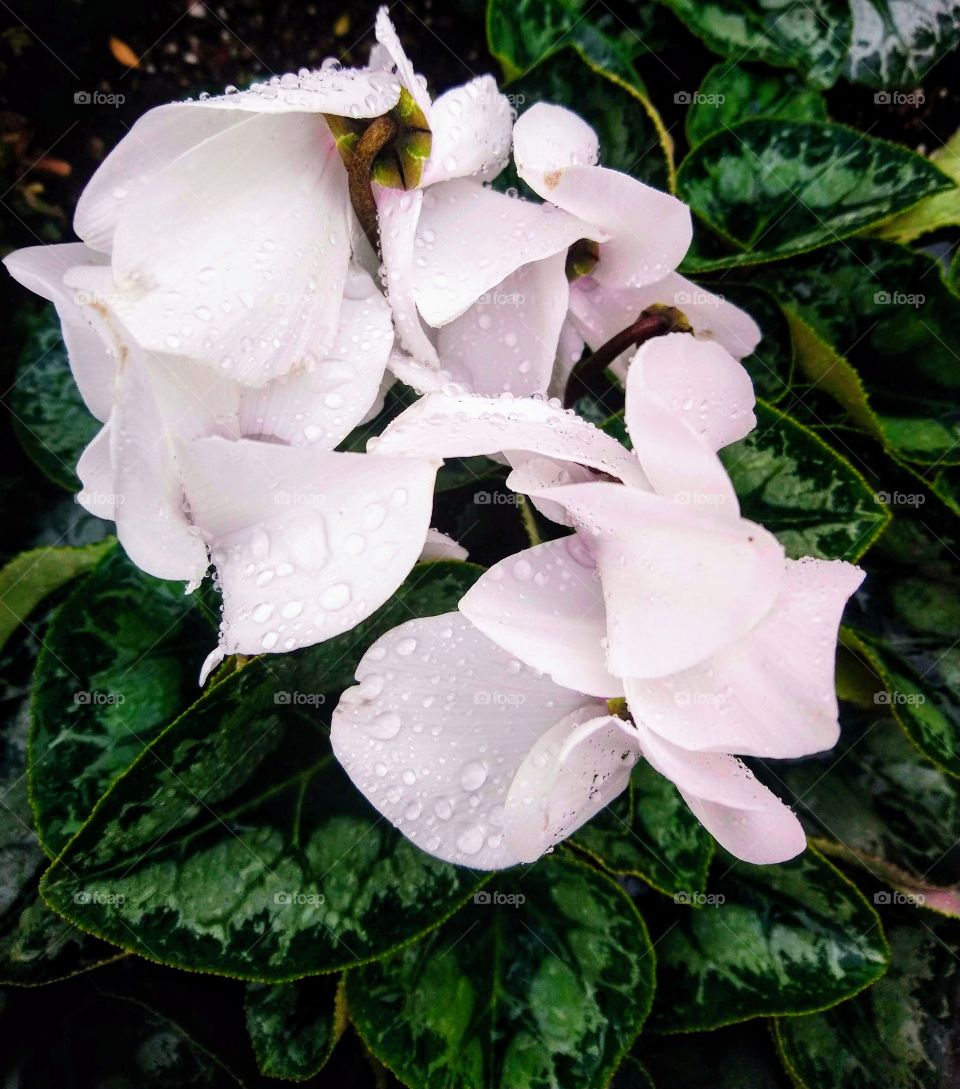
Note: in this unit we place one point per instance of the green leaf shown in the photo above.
(811, 36)
(876, 802)
(544, 981)
(49, 416)
(898, 318)
(631, 133)
(30, 577)
(120, 661)
(907, 628)
(899, 1034)
(731, 93)
(792, 938)
(934, 213)
(896, 45)
(236, 844)
(36, 946)
(770, 365)
(777, 188)
(801, 489)
(293, 1026)
(649, 832)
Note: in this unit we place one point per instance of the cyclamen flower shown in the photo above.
(487, 735)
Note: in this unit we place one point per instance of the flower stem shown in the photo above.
(375, 138)
(655, 321)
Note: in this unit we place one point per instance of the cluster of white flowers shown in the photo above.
(257, 268)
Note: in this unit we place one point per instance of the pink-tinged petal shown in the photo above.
(545, 605)
(435, 731)
(678, 463)
(741, 814)
(470, 238)
(572, 771)
(772, 692)
(649, 231)
(441, 546)
(399, 213)
(91, 342)
(236, 253)
(344, 92)
(471, 133)
(601, 310)
(307, 543)
(421, 377)
(507, 341)
(449, 426)
(700, 382)
(570, 348)
(322, 403)
(150, 514)
(680, 583)
(388, 38)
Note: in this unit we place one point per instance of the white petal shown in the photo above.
(152, 524)
(535, 476)
(573, 770)
(772, 692)
(323, 403)
(90, 341)
(739, 812)
(237, 251)
(388, 38)
(545, 605)
(679, 583)
(435, 730)
(600, 310)
(398, 213)
(507, 341)
(649, 231)
(447, 426)
(344, 92)
(95, 470)
(471, 133)
(470, 238)
(441, 546)
(569, 351)
(307, 543)
(700, 382)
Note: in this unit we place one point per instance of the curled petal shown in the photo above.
(471, 133)
(573, 770)
(435, 730)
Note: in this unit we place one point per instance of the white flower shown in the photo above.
(486, 736)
